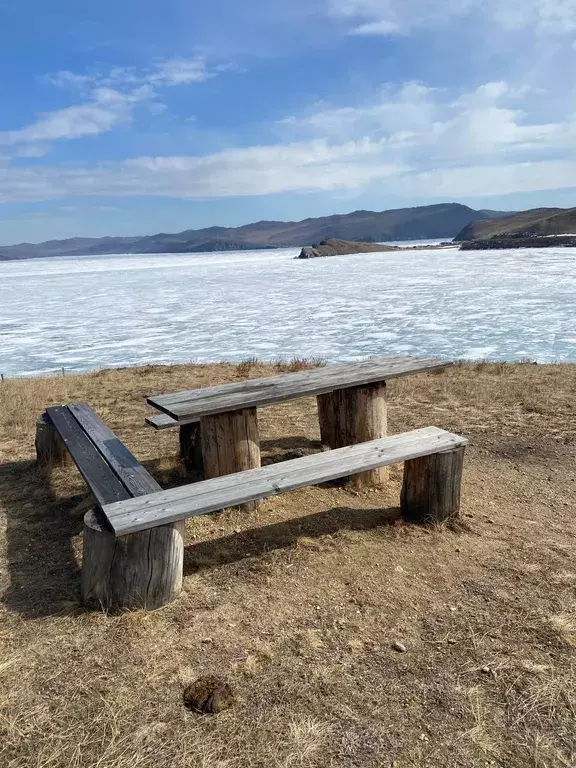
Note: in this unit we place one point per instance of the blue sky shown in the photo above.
(132, 118)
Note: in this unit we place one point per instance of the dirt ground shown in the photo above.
(298, 604)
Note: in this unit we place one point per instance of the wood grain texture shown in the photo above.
(231, 444)
(355, 415)
(127, 468)
(185, 406)
(50, 448)
(141, 570)
(231, 490)
(163, 421)
(101, 480)
(431, 487)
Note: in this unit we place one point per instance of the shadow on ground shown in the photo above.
(43, 561)
(260, 541)
(42, 564)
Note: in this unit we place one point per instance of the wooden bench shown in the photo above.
(134, 539)
(219, 426)
(129, 571)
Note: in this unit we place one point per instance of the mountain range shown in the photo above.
(444, 220)
(538, 221)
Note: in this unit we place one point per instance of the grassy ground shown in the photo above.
(298, 604)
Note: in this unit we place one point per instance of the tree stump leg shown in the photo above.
(50, 448)
(140, 570)
(355, 415)
(431, 488)
(191, 448)
(230, 443)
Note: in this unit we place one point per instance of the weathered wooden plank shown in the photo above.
(128, 469)
(162, 421)
(229, 490)
(101, 480)
(185, 406)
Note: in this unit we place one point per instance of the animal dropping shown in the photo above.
(208, 695)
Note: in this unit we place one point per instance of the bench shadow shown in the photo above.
(42, 565)
(259, 541)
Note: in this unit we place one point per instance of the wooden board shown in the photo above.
(190, 405)
(229, 490)
(132, 475)
(163, 421)
(101, 480)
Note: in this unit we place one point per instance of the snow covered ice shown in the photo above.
(101, 311)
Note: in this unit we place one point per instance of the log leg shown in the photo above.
(355, 415)
(191, 448)
(230, 443)
(140, 570)
(431, 489)
(50, 448)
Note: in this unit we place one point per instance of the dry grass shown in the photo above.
(298, 603)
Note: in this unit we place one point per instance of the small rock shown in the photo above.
(398, 646)
(485, 670)
(451, 641)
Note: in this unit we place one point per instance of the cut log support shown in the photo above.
(230, 443)
(431, 489)
(355, 415)
(191, 448)
(140, 570)
(50, 448)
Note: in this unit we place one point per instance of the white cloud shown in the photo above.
(106, 109)
(302, 166)
(180, 72)
(411, 139)
(165, 72)
(109, 100)
(423, 125)
(388, 17)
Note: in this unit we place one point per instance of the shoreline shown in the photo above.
(281, 365)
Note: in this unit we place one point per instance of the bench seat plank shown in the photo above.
(132, 475)
(101, 480)
(229, 490)
(207, 401)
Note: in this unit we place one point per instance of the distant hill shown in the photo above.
(444, 220)
(538, 221)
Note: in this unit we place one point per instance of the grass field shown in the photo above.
(299, 603)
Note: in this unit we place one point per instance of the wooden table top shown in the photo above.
(207, 401)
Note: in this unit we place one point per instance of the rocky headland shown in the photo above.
(333, 246)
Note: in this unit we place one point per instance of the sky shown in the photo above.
(127, 118)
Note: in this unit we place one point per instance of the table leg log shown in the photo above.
(191, 448)
(355, 415)
(140, 570)
(431, 488)
(230, 443)
(50, 448)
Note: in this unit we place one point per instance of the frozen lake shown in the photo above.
(100, 311)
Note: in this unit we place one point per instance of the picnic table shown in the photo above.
(219, 424)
